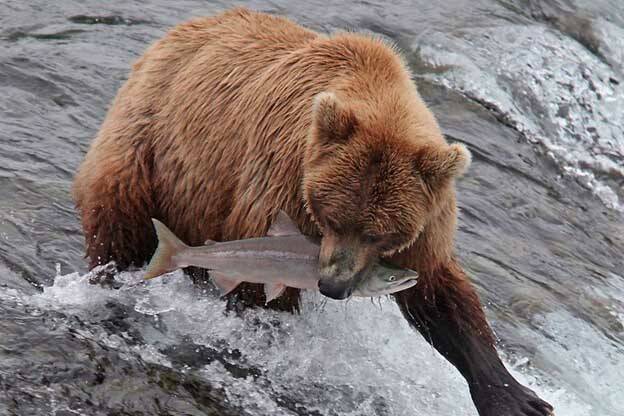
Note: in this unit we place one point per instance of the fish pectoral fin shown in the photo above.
(283, 226)
(224, 283)
(272, 291)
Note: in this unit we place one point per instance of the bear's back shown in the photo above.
(188, 107)
(237, 37)
(215, 115)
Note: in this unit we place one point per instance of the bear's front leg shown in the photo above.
(445, 308)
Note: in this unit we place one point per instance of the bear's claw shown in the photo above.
(511, 399)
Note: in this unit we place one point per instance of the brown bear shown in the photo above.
(228, 119)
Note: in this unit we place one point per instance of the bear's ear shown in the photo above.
(334, 123)
(437, 164)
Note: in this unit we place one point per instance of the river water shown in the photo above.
(534, 88)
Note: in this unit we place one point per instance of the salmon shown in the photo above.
(284, 258)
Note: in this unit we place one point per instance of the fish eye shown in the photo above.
(392, 278)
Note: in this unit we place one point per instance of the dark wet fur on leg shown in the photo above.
(251, 295)
(444, 307)
(248, 295)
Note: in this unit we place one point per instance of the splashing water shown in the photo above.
(564, 98)
(339, 359)
(533, 88)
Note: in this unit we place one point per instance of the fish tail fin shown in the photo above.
(168, 246)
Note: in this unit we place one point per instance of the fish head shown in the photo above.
(385, 279)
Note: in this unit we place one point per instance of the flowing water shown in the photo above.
(534, 88)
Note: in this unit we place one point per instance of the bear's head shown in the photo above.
(370, 189)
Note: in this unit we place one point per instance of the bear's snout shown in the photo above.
(342, 263)
(339, 275)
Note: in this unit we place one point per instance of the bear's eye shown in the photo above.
(393, 241)
(371, 238)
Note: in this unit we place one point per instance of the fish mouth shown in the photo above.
(407, 284)
(398, 288)
(371, 293)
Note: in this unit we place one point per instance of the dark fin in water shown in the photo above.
(272, 291)
(224, 283)
(282, 226)
(168, 246)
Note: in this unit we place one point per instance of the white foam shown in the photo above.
(549, 87)
(354, 358)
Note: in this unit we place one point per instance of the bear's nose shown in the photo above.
(340, 262)
(335, 289)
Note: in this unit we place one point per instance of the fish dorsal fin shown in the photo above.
(272, 291)
(209, 242)
(282, 226)
(224, 283)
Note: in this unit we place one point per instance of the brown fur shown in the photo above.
(228, 119)
(196, 139)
